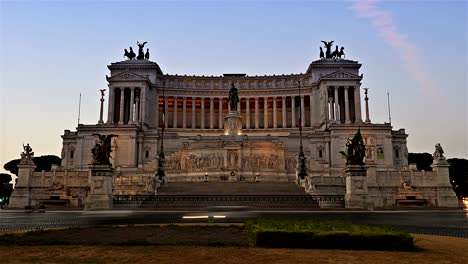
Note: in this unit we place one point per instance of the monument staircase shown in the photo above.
(202, 195)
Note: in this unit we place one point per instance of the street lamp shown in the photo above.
(302, 173)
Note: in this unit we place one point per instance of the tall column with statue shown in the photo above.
(21, 196)
(100, 189)
(445, 195)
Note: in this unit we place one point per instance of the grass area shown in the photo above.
(435, 249)
(192, 235)
(326, 234)
(258, 232)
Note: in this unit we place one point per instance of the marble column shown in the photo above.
(184, 112)
(347, 120)
(211, 112)
(239, 107)
(332, 111)
(132, 101)
(337, 110)
(265, 112)
(110, 108)
(302, 111)
(275, 114)
(220, 110)
(194, 102)
(357, 104)
(256, 113)
(312, 112)
(138, 109)
(283, 110)
(247, 113)
(202, 113)
(121, 115)
(293, 111)
(143, 104)
(174, 120)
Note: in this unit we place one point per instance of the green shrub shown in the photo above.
(325, 234)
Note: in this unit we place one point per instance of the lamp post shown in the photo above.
(160, 173)
(302, 172)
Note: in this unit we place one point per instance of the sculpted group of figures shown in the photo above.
(257, 161)
(102, 149)
(329, 54)
(204, 161)
(141, 55)
(216, 161)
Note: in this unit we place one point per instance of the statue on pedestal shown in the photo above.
(27, 154)
(328, 53)
(233, 97)
(355, 150)
(102, 149)
(439, 152)
(141, 54)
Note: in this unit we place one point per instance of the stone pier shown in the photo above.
(357, 196)
(100, 192)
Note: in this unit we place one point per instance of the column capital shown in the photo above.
(184, 97)
(302, 96)
(212, 98)
(283, 97)
(274, 97)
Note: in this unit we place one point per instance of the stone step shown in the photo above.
(231, 188)
(161, 202)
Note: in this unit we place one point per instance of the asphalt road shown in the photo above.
(434, 222)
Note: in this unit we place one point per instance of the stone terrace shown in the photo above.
(231, 188)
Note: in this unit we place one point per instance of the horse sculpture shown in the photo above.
(340, 53)
(130, 55)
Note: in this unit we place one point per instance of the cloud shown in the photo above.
(382, 21)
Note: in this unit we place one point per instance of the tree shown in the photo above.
(42, 163)
(12, 166)
(5, 188)
(5, 178)
(423, 160)
(458, 171)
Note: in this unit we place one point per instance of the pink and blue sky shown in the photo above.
(51, 51)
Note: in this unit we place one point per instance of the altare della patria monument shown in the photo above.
(292, 139)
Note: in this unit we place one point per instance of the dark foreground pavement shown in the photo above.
(431, 222)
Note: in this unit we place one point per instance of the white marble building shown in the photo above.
(332, 102)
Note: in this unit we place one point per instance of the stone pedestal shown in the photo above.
(357, 196)
(21, 196)
(233, 124)
(100, 193)
(445, 195)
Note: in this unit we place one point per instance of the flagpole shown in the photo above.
(79, 110)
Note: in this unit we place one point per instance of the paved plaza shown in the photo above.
(432, 222)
